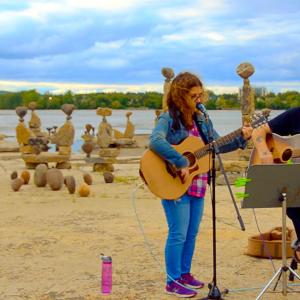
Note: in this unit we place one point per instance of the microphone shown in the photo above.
(202, 108)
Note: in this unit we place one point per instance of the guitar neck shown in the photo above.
(218, 143)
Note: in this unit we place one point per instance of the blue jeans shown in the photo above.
(183, 217)
(294, 214)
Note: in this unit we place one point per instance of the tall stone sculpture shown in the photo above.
(35, 125)
(63, 138)
(168, 73)
(105, 143)
(126, 139)
(129, 129)
(245, 70)
(23, 133)
(35, 121)
(105, 131)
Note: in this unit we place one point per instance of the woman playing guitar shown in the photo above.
(186, 116)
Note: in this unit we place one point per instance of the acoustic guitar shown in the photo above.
(283, 148)
(162, 178)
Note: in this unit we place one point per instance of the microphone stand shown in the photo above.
(214, 291)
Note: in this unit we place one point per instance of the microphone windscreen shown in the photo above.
(202, 108)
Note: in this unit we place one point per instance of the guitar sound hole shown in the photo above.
(287, 154)
(190, 157)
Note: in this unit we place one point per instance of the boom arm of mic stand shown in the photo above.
(239, 217)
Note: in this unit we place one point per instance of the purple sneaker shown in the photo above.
(175, 289)
(190, 281)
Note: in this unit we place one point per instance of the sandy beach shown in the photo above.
(51, 241)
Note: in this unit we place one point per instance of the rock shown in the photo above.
(89, 127)
(245, 70)
(21, 111)
(84, 190)
(64, 135)
(109, 152)
(67, 109)
(103, 111)
(16, 184)
(70, 184)
(108, 177)
(55, 179)
(87, 178)
(87, 147)
(40, 179)
(9, 146)
(25, 175)
(32, 105)
(63, 165)
(168, 73)
(14, 175)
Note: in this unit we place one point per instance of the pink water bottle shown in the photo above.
(106, 282)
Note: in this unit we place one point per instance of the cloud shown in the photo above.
(109, 45)
(214, 36)
(110, 6)
(102, 64)
(128, 42)
(194, 10)
(58, 87)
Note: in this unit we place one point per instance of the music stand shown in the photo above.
(274, 186)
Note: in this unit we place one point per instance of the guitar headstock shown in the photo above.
(258, 119)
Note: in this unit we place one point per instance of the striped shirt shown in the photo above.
(198, 185)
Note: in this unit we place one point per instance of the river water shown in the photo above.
(224, 121)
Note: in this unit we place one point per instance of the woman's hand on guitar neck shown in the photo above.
(247, 131)
(266, 157)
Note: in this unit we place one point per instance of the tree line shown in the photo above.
(147, 100)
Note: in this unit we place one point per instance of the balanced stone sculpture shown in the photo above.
(34, 148)
(245, 70)
(105, 131)
(35, 121)
(168, 73)
(126, 139)
(23, 133)
(89, 134)
(108, 149)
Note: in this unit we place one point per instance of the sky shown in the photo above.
(122, 45)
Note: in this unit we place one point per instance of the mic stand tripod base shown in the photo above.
(214, 293)
(282, 271)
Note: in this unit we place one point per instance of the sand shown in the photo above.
(51, 241)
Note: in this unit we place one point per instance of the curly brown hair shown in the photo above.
(177, 98)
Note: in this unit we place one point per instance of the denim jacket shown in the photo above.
(164, 136)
